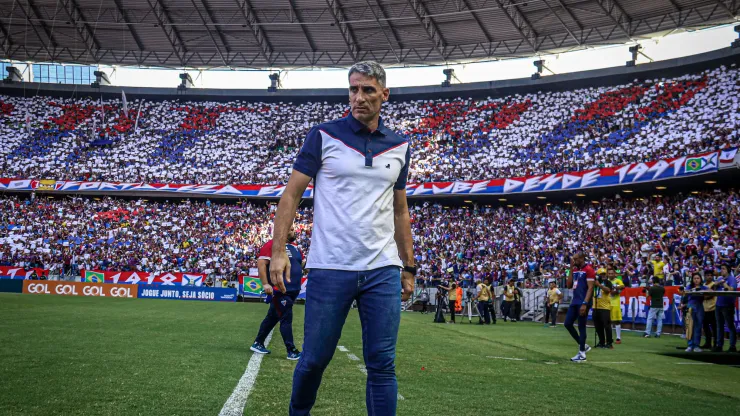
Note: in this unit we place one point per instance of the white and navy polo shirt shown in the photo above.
(355, 172)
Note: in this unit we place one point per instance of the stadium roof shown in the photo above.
(330, 33)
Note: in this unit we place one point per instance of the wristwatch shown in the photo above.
(410, 269)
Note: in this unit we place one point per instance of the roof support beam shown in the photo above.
(131, 30)
(210, 34)
(250, 19)
(173, 36)
(49, 52)
(220, 34)
(520, 23)
(675, 6)
(562, 22)
(83, 29)
(347, 34)
(385, 33)
(617, 14)
(482, 27)
(44, 26)
(422, 14)
(6, 42)
(389, 23)
(570, 14)
(724, 7)
(294, 11)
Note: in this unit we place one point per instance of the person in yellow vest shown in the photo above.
(483, 296)
(451, 298)
(602, 309)
(616, 304)
(507, 306)
(554, 297)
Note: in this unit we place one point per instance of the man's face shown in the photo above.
(579, 260)
(291, 235)
(366, 96)
(611, 274)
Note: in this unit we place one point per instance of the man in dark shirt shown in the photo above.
(581, 280)
(655, 293)
(281, 303)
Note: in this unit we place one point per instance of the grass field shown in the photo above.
(93, 356)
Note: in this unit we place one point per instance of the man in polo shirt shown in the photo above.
(361, 240)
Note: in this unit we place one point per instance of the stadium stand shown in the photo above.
(462, 139)
(470, 243)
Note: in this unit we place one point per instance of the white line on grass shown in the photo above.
(238, 399)
(611, 362)
(507, 358)
(694, 363)
(362, 367)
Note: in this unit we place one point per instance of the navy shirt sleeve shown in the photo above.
(401, 181)
(308, 160)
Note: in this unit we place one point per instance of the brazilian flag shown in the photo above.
(93, 277)
(252, 286)
(699, 164)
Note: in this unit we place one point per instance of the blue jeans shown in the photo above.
(697, 317)
(329, 296)
(574, 313)
(726, 315)
(653, 314)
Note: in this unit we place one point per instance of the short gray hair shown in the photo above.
(370, 69)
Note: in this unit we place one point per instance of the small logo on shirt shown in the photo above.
(388, 166)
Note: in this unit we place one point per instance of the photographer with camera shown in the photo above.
(656, 293)
(602, 310)
(485, 301)
(451, 298)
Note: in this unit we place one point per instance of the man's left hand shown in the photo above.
(584, 310)
(407, 283)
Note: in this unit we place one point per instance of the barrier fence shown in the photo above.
(126, 290)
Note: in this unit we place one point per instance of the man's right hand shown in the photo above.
(268, 289)
(279, 267)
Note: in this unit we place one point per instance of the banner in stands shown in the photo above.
(49, 287)
(251, 286)
(20, 273)
(214, 294)
(631, 173)
(620, 175)
(173, 279)
(636, 304)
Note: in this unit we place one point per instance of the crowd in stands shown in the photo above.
(663, 237)
(69, 234)
(462, 139)
(667, 238)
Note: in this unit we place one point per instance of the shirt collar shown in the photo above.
(357, 126)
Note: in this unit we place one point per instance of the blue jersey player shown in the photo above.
(581, 280)
(281, 303)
